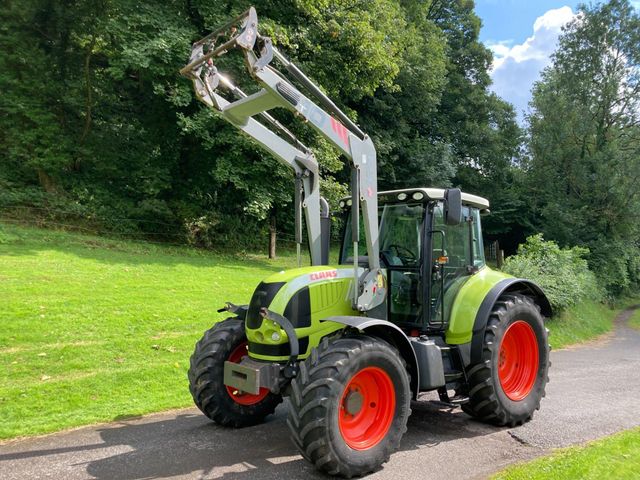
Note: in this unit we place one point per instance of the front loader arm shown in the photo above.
(278, 92)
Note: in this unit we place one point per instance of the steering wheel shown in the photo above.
(403, 253)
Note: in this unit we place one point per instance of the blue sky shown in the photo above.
(522, 35)
(513, 19)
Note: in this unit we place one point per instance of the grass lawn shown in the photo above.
(93, 329)
(583, 322)
(617, 456)
(634, 321)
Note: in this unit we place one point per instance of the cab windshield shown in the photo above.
(400, 236)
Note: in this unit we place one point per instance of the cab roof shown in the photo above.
(438, 194)
(391, 196)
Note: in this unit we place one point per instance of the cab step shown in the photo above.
(451, 401)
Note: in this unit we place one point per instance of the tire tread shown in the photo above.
(484, 403)
(315, 388)
(206, 370)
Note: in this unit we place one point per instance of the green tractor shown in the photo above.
(411, 306)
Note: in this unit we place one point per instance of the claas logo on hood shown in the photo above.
(323, 275)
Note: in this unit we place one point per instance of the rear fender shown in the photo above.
(390, 333)
(508, 285)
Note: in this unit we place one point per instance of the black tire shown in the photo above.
(488, 400)
(206, 378)
(318, 398)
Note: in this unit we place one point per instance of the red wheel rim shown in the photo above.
(518, 360)
(367, 408)
(238, 396)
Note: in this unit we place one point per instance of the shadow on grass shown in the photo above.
(190, 446)
(24, 241)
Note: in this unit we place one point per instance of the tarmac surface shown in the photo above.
(593, 392)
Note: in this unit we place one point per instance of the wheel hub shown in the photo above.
(353, 402)
(367, 408)
(518, 360)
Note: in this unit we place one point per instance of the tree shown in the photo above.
(99, 127)
(368, 40)
(479, 127)
(585, 140)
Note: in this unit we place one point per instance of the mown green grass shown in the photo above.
(615, 457)
(581, 323)
(93, 329)
(634, 321)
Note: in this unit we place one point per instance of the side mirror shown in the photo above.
(453, 206)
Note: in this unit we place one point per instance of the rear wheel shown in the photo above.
(225, 341)
(349, 405)
(506, 387)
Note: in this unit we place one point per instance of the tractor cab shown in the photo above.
(426, 257)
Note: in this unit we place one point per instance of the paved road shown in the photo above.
(594, 392)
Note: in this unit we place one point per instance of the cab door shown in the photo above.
(401, 240)
(456, 253)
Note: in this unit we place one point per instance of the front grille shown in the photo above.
(282, 350)
(262, 297)
(298, 310)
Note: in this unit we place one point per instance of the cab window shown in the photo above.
(400, 238)
(455, 251)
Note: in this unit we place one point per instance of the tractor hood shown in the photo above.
(305, 296)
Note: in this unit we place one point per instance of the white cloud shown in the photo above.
(500, 49)
(516, 67)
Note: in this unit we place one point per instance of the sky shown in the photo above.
(522, 36)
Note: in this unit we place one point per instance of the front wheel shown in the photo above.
(506, 387)
(225, 341)
(349, 405)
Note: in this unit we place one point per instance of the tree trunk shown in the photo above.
(272, 237)
(46, 181)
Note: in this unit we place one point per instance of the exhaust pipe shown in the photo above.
(325, 230)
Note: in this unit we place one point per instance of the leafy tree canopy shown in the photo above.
(584, 164)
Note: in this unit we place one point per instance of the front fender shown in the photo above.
(390, 333)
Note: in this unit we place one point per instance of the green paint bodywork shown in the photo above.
(328, 297)
(467, 302)
(333, 296)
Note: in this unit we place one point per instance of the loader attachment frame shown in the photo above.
(322, 114)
